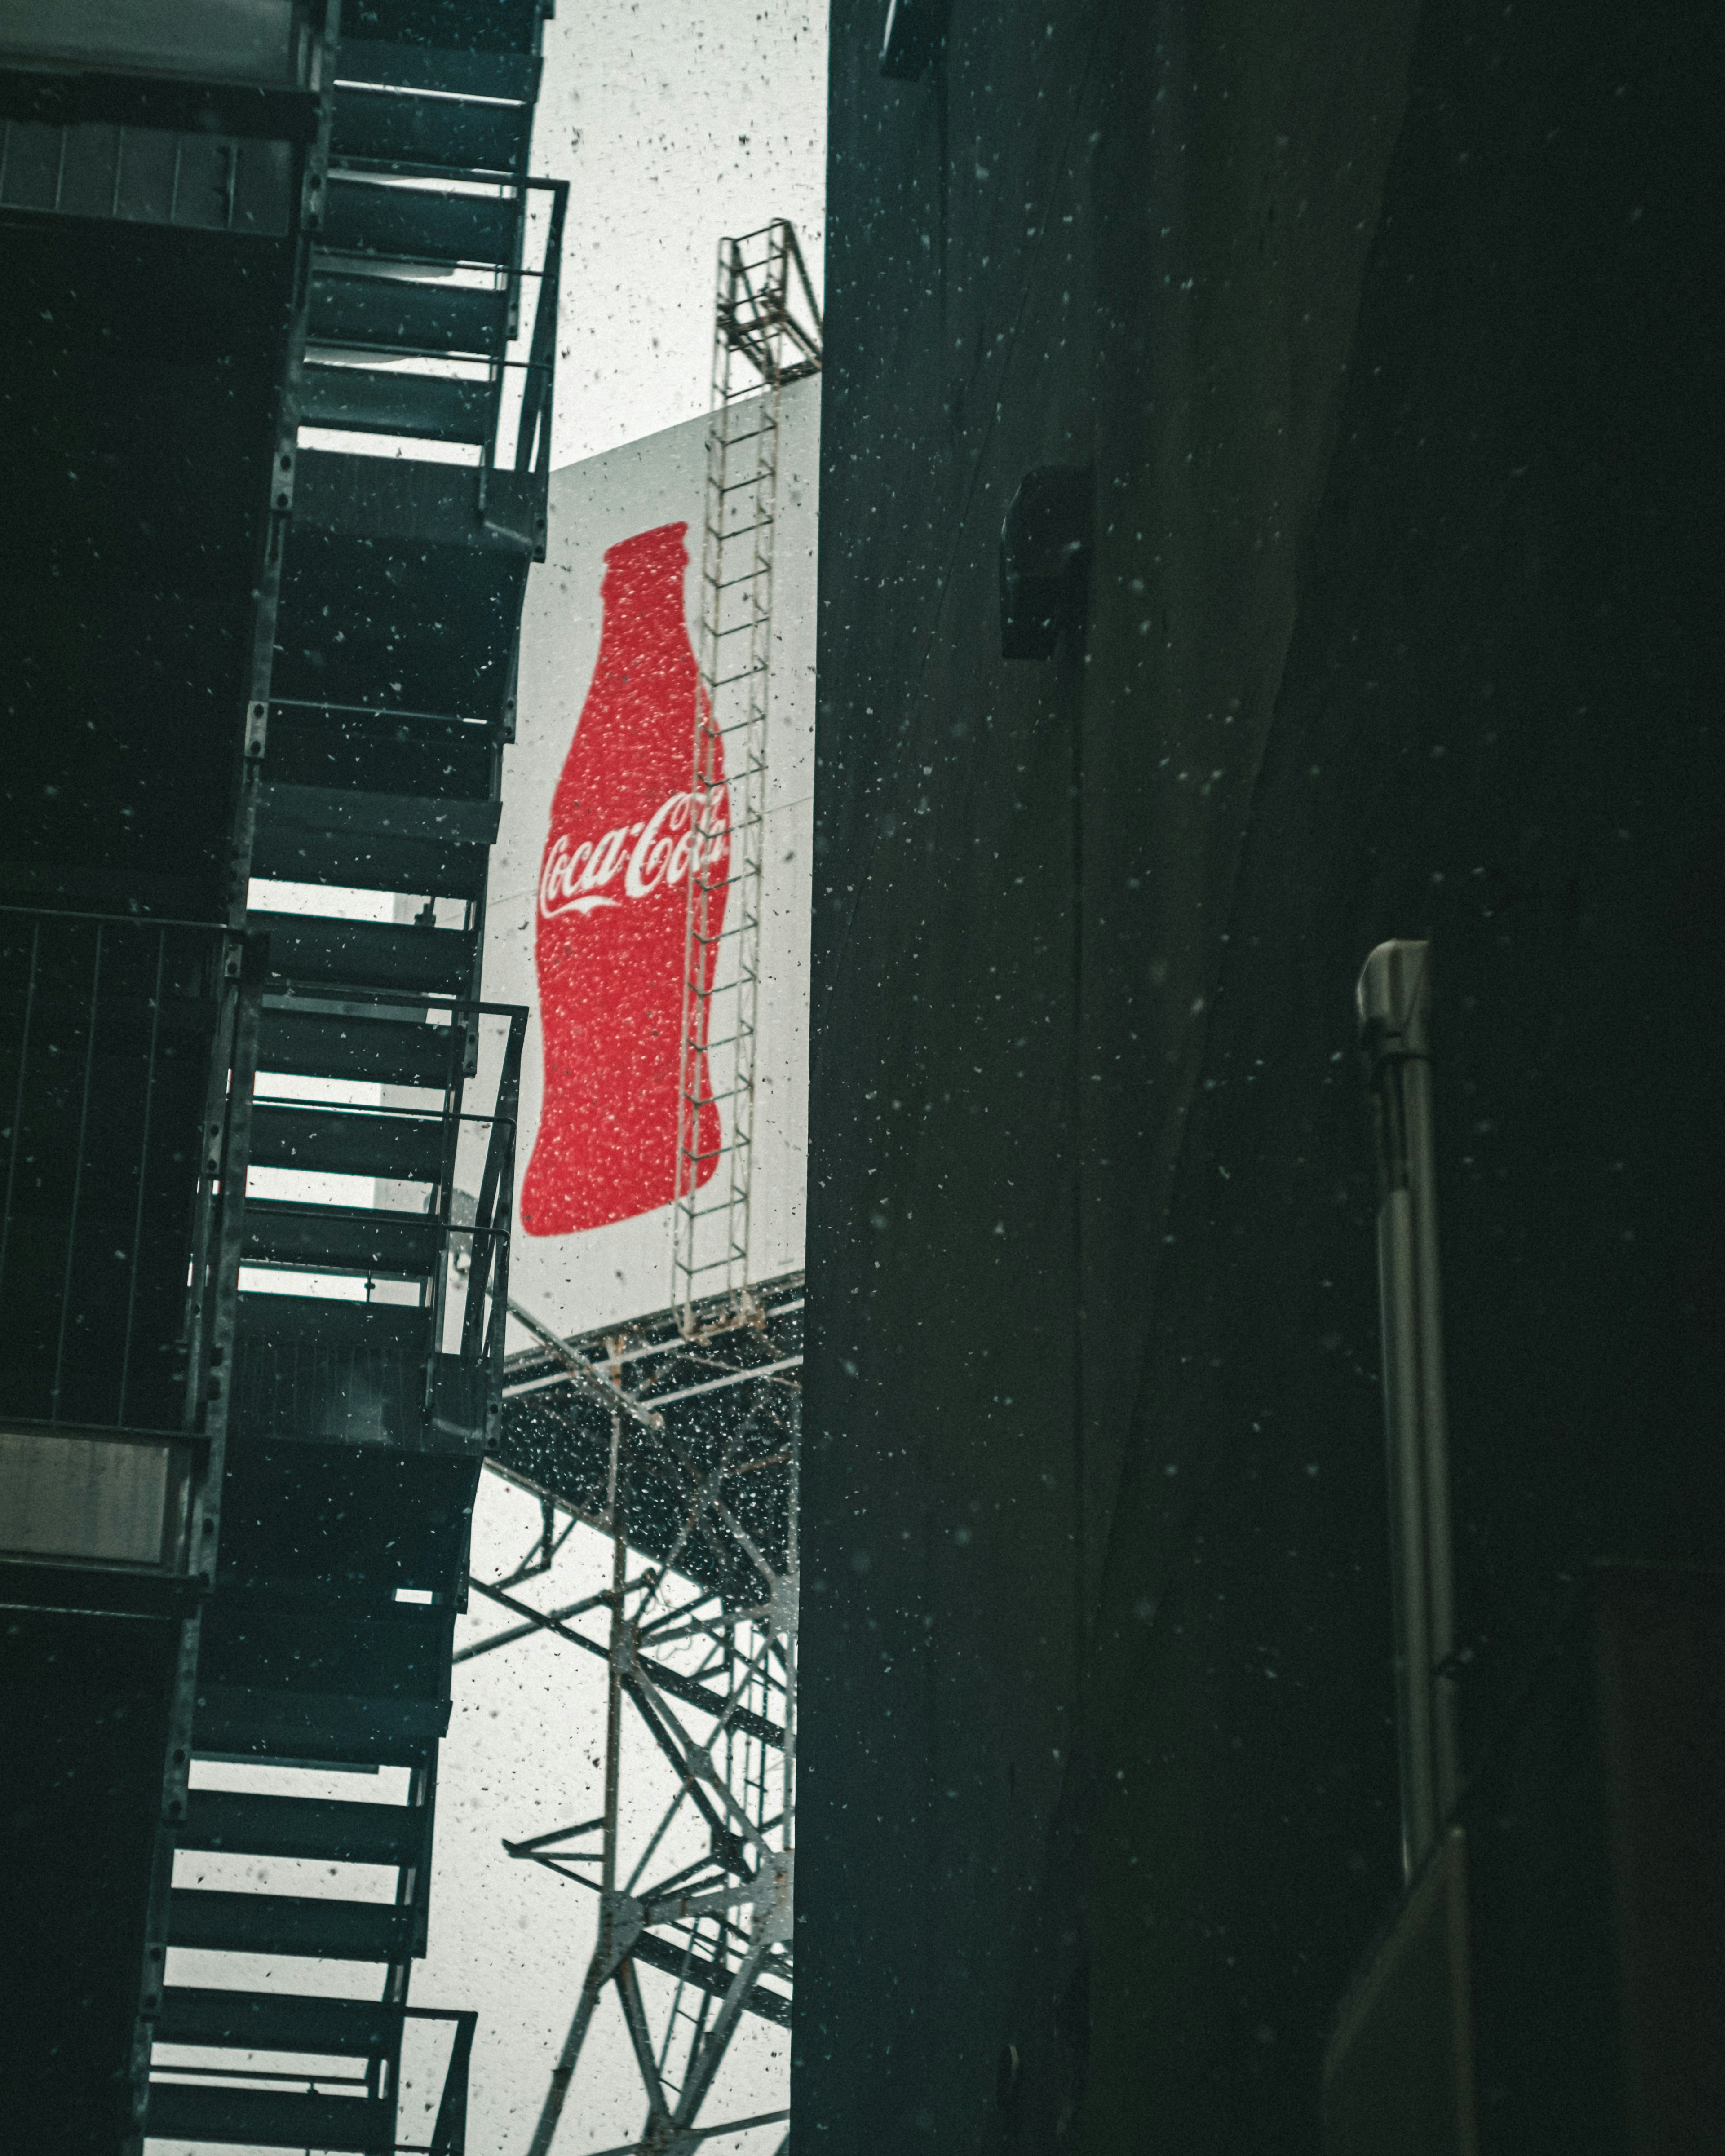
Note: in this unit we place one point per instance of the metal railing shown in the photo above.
(468, 1209)
(448, 2132)
(486, 1242)
(532, 440)
(125, 1051)
(448, 2136)
(507, 375)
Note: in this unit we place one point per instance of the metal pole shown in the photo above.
(1393, 1004)
(741, 1630)
(617, 1667)
(603, 1964)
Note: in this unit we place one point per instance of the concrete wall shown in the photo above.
(1387, 337)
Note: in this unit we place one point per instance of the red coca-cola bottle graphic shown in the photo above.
(627, 833)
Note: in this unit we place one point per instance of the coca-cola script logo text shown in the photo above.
(668, 845)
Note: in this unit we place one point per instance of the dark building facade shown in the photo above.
(1385, 345)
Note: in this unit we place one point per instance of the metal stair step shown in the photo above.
(366, 400)
(310, 1725)
(307, 1320)
(418, 510)
(511, 76)
(317, 1392)
(369, 954)
(504, 26)
(401, 589)
(348, 1141)
(341, 1239)
(285, 1748)
(340, 1831)
(429, 132)
(386, 750)
(442, 819)
(295, 854)
(224, 1922)
(427, 223)
(352, 1522)
(315, 1044)
(270, 2118)
(356, 308)
(324, 1393)
(264, 1654)
(331, 2028)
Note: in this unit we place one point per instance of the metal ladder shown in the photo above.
(359, 1426)
(766, 335)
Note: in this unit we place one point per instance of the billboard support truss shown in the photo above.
(693, 1867)
(766, 335)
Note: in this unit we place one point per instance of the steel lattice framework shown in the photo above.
(682, 1447)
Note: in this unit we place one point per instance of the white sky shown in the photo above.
(675, 126)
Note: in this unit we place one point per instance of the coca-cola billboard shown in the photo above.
(683, 833)
(611, 934)
(605, 821)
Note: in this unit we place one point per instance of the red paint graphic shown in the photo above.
(612, 911)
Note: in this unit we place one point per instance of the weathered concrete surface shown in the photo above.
(1388, 341)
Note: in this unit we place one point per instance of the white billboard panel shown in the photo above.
(600, 834)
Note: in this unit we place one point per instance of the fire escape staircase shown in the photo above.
(359, 1424)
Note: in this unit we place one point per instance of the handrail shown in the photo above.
(529, 453)
(118, 920)
(534, 430)
(493, 1218)
(283, 988)
(448, 2132)
(448, 2136)
(327, 254)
